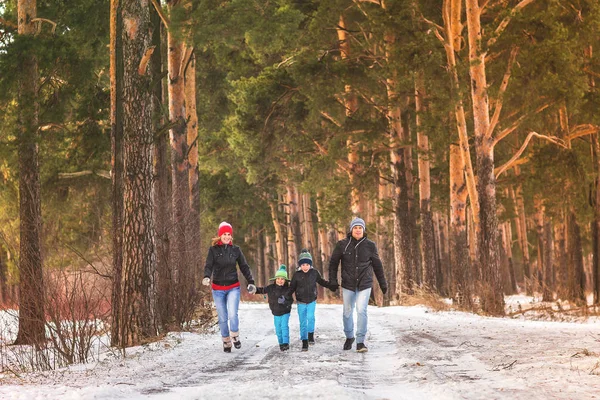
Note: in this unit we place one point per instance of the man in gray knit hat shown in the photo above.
(359, 258)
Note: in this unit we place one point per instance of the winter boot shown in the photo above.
(311, 338)
(227, 344)
(235, 336)
(305, 345)
(348, 343)
(361, 348)
(284, 347)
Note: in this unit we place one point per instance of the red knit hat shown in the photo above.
(224, 227)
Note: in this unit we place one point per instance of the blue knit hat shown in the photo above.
(305, 258)
(281, 273)
(358, 222)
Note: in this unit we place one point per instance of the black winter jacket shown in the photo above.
(304, 284)
(359, 260)
(275, 294)
(221, 263)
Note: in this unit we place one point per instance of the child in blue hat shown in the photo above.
(304, 285)
(280, 303)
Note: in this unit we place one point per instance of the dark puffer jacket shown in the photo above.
(221, 265)
(304, 284)
(275, 294)
(359, 260)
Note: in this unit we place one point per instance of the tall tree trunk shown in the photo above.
(309, 228)
(562, 268)
(116, 135)
(3, 278)
(539, 227)
(180, 257)
(279, 242)
(521, 226)
(194, 243)
(595, 197)
(576, 272)
(460, 273)
(31, 280)
(162, 194)
(294, 241)
(452, 13)
(510, 281)
(324, 246)
(491, 293)
(137, 313)
(427, 235)
(386, 249)
(351, 106)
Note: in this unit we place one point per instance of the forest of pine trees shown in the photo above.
(465, 133)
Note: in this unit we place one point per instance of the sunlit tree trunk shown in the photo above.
(193, 227)
(576, 272)
(491, 293)
(279, 241)
(294, 240)
(180, 257)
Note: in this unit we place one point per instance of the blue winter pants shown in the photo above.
(282, 328)
(306, 315)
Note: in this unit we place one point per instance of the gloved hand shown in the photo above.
(251, 289)
(333, 286)
(384, 289)
(281, 299)
(206, 281)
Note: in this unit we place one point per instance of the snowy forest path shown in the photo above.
(413, 354)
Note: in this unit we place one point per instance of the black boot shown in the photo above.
(227, 345)
(348, 344)
(236, 340)
(286, 346)
(282, 347)
(311, 338)
(305, 345)
(361, 348)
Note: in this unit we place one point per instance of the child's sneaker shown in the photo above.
(311, 338)
(305, 345)
(284, 347)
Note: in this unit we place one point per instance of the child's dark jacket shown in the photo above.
(280, 299)
(304, 284)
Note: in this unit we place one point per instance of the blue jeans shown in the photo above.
(306, 315)
(227, 303)
(360, 300)
(282, 328)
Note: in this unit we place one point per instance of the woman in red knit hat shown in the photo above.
(220, 267)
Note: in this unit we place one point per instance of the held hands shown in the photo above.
(251, 289)
(333, 286)
(206, 281)
(384, 289)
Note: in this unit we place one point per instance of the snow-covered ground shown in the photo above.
(413, 353)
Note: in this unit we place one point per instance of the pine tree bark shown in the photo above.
(162, 193)
(560, 244)
(452, 13)
(595, 202)
(459, 277)
(194, 244)
(491, 293)
(31, 280)
(575, 250)
(427, 234)
(3, 278)
(351, 105)
(293, 224)
(180, 257)
(137, 291)
(539, 227)
(279, 241)
(116, 136)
